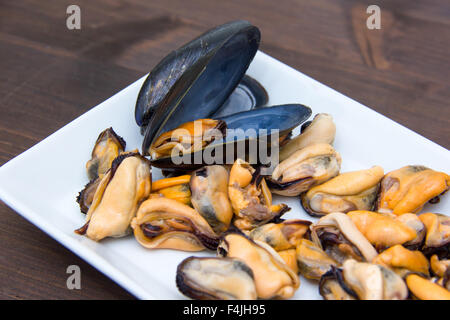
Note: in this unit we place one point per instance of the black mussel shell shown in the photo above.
(205, 85)
(248, 95)
(283, 118)
(173, 66)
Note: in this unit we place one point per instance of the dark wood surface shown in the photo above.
(51, 75)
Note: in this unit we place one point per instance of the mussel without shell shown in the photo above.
(403, 261)
(250, 197)
(305, 168)
(437, 239)
(118, 197)
(340, 238)
(282, 235)
(320, 130)
(273, 278)
(169, 224)
(216, 278)
(407, 189)
(107, 147)
(312, 261)
(384, 231)
(209, 187)
(176, 188)
(424, 289)
(356, 190)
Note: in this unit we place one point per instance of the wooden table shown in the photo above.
(50, 75)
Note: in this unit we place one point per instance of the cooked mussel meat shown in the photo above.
(373, 282)
(107, 147)
(273, 278)
(209, 187)
(289, 257)
(168, 224)
(118, 197)
(187, 138)
(304, 169)
(439, 267)
(384, 231)
(425, 289)
(403, 261)
(356, 190)
(282, 235)
(250, 197)
(339, 237)
(333, 287)
(176, 188)
(312, 261)
(216, 278)
(407, 189)
(437, 239)
(321, 130)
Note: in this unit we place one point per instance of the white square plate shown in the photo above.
(41, 184)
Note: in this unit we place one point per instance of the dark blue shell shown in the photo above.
(204, 86)
(171, 68)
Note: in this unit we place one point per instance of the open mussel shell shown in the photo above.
(173, 66)
(206, 84)
(248, 95)
(246, 126)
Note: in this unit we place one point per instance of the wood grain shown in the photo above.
(51, 75)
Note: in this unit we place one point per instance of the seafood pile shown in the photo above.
(367, 237)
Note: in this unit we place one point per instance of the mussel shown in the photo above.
(205, 141)
(190, 137)
(282, 235)
(356, 190)
(373, 282)
(273, 278)
(384, 231)
(424, 289)
(305, 168)
(362, 281)
(216, 278)
(440, 267)
(437, 239)
(226, 50)
(107, 147)
(209, 187)
(86, 196)
(169, 224)
(312, 261)
(176, 188)
(320, 130)
(250, 197)
(403, 261)
(333, 287)
(118, 197)
(289, 257)
(407, 189)
(340, 238)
